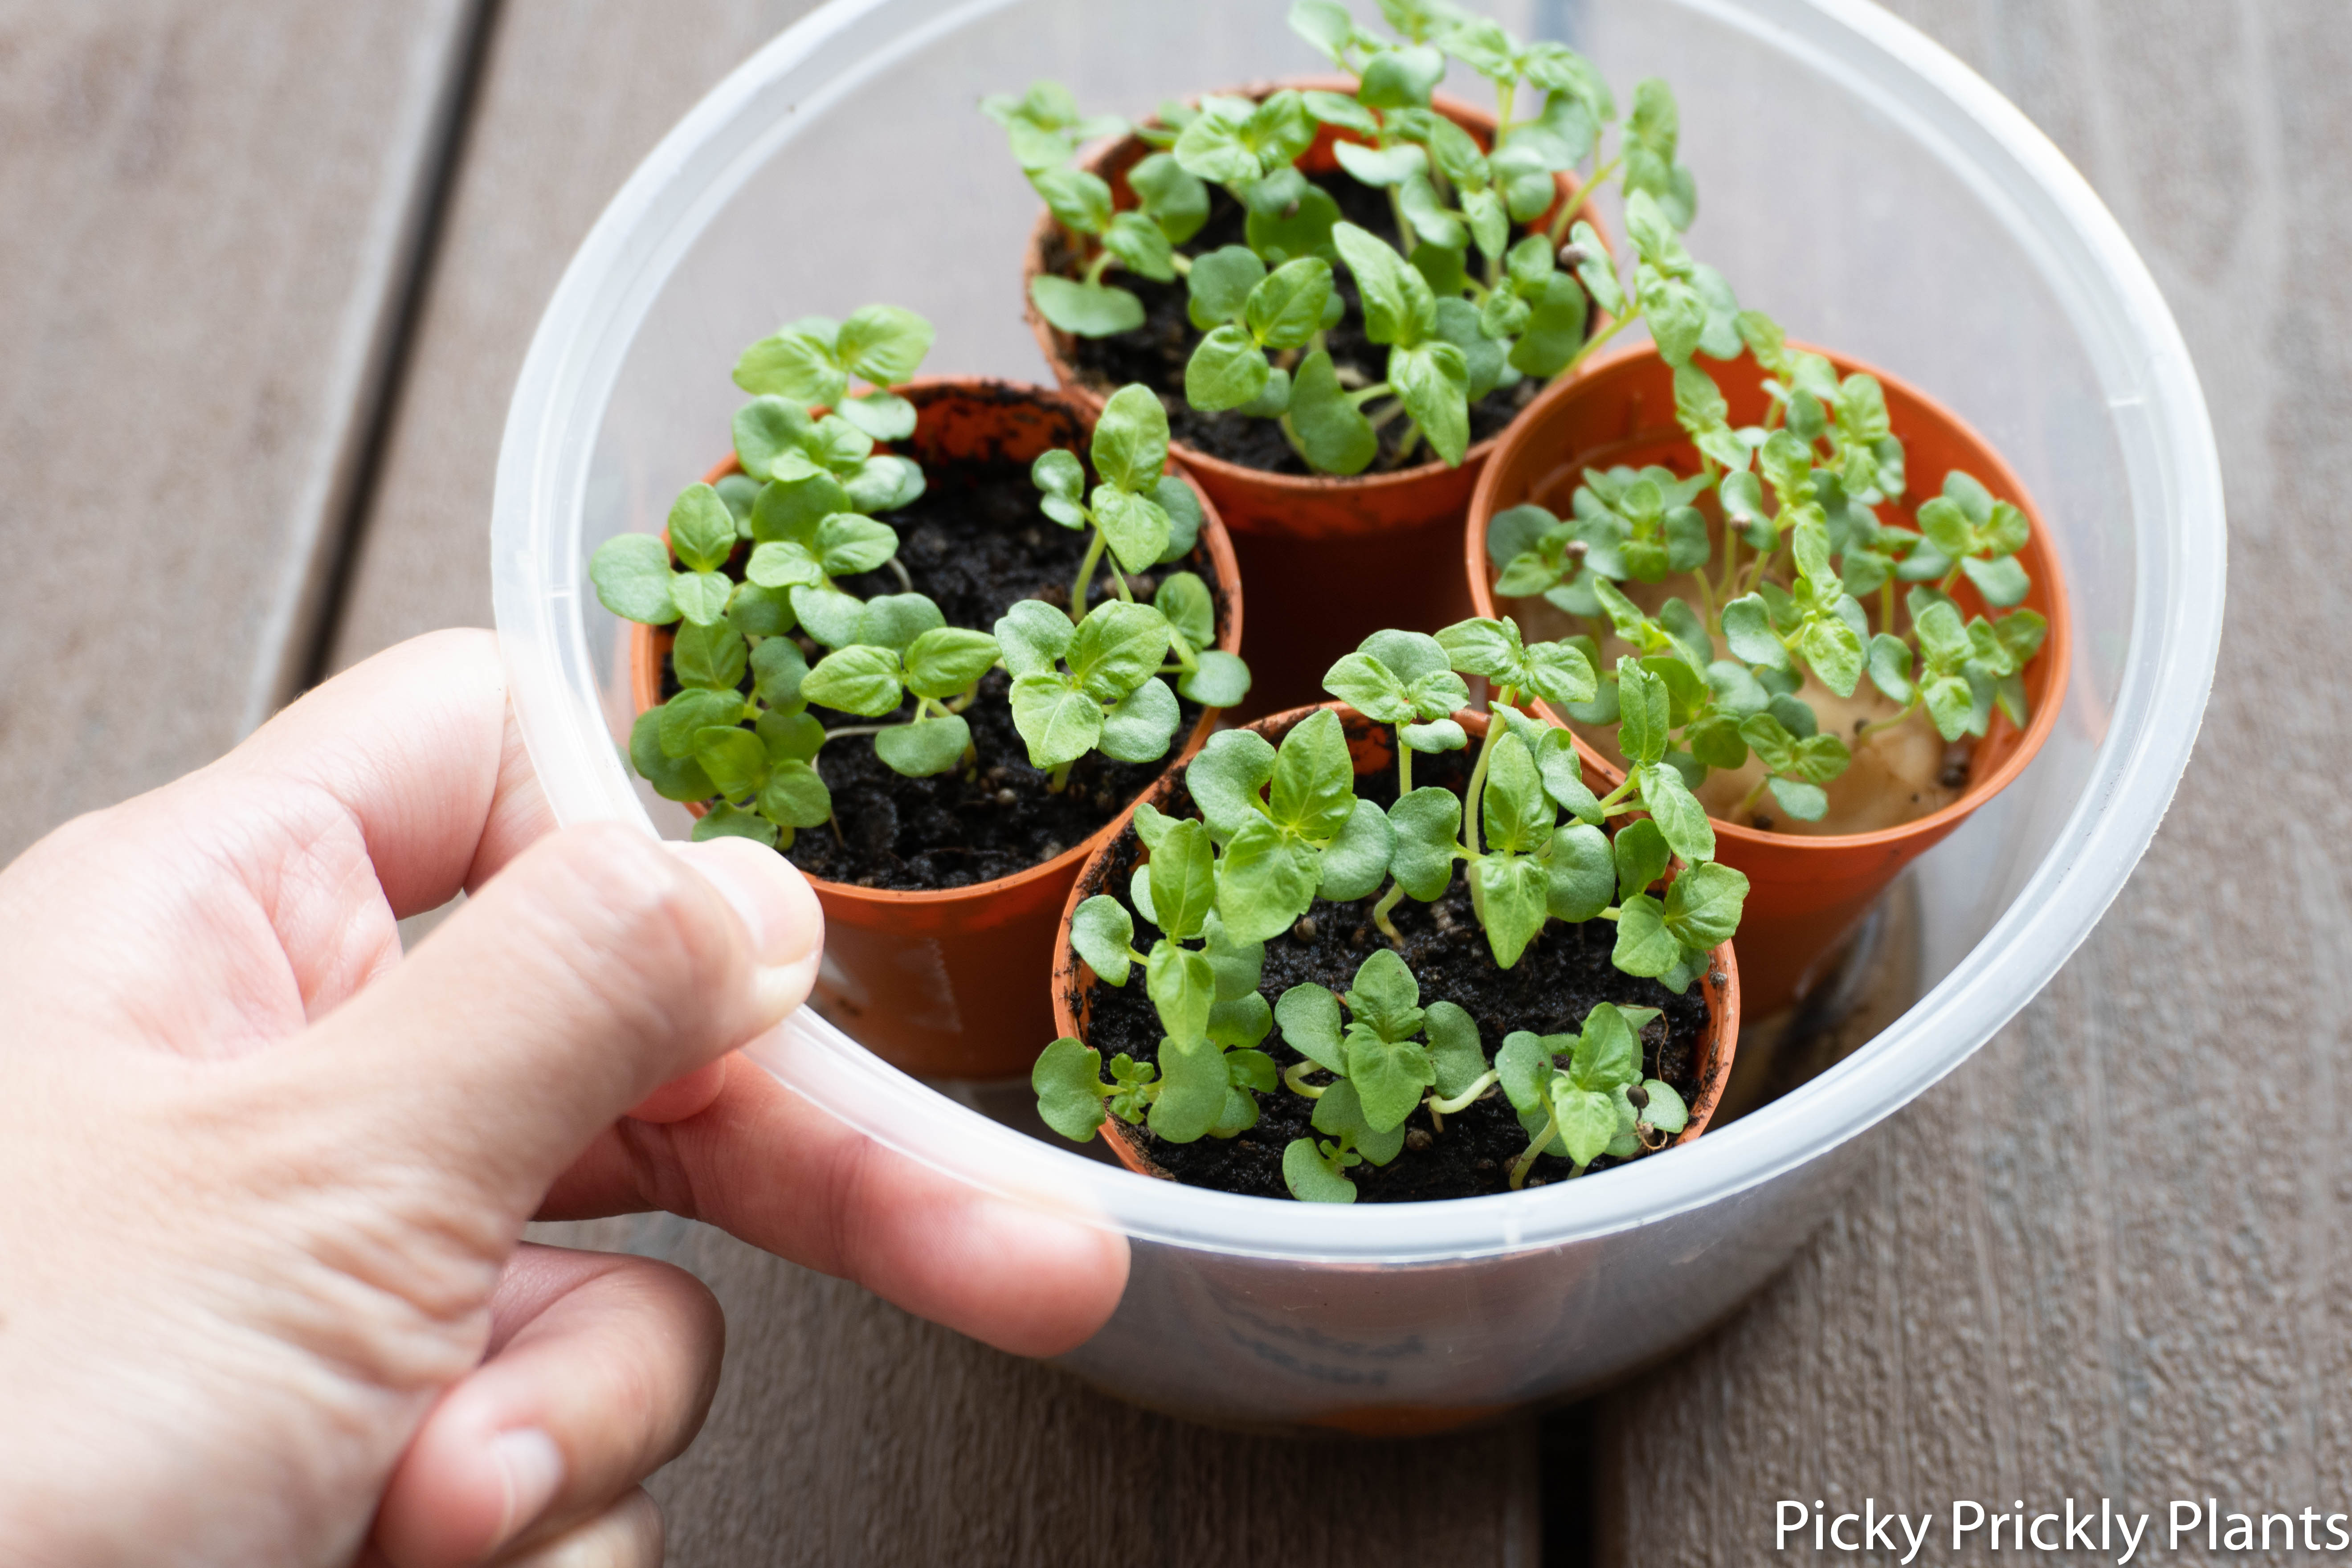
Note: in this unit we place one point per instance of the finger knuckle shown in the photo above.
(658, 931)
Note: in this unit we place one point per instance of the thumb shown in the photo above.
(598, 965)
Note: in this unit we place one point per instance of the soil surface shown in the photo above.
(1556, 983)
(1156, 352)
(976, 543)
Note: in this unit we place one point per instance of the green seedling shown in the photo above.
(1475, 290)
(1287, 824)
(1142, 517)
(1277, 828)
(811, 364)
(1045, 125)
(750, 575)
(1582, 1096)
(1046, 130)
(1280, 826)
(1381, 1069)
(1092, 687)
(1806, 583)
(1525, 862)
(1202, 982)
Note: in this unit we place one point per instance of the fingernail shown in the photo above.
(777, 907)
(530, 1468)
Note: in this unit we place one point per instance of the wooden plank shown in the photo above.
(2096, 1262)
(845, 1431)
(573, 96)
(210, 217)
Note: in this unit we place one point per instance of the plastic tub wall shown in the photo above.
(846, 163)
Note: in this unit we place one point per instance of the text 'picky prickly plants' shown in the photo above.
(752, 573)
(1488, 277)
(1789, 583)
(1280, 826)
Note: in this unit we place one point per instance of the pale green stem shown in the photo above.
(1706, 597)
(1764, 560)
(1382, 911)
(1583, 198)
(1610, 801)
(1470, 796)
(1441, 186)
(1593, 343)
(1295, 1077)
(1748, 802)
(1868, 731)
(1290, 434)
(1463, 1100)
(1094, 547)
(1527, 1161)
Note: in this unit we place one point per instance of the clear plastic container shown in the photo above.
(1853, 179)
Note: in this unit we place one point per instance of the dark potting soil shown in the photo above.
(975, 543)
(1556, 983)
(1156, 352)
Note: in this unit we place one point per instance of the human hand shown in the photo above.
(261, 1297)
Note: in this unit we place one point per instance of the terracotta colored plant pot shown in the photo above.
(1314, 603)
(944, 983)
(1805, 893)
(1373, 748)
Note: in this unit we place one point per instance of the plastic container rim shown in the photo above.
(2155, 405)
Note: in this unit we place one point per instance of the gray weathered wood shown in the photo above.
(2081, 1268)
(209, 216)
(844, 1430)
(573, 96)
(2108, 1257)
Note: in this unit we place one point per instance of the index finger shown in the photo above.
(419, 745)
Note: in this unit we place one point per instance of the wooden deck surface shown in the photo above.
(267, 274)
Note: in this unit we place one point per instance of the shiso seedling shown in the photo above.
(1806, 583)
(1280, 826)
(752, 571)
(1498, 279)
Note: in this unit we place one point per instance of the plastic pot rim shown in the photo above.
(2099, 284)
